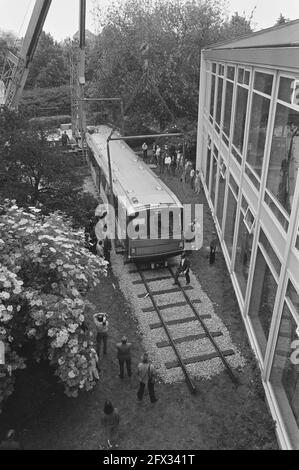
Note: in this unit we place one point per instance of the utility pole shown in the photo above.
(81, 70)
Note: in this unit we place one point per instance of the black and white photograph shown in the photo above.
(149, 228)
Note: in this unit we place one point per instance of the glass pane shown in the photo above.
(234, 186)
(240, 118)
(286, 89)
(213, 181)
(284, 158)
(285, 374)
(214, 68)
(282, 219)
(253, 178)
(228, 107)
(208, 78)
(230, 221)
(212, 95)
(243, 255)
(237, 155)
(263, 240)
(293, 297)
(263, 82)
(221, 194)
(241, 75)
(219, 100)
(262, 301)
(246, 77)
(258, 132)
(244, 204)
(230, 72)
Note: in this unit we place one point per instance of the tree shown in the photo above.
(148, 52)
(32, 172)
(281, 20)
(7, 43)
(45, 275)
(49, 67)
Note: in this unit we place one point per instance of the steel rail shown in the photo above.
(189, 380)
(210, 337)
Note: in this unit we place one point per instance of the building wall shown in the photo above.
(248, 154)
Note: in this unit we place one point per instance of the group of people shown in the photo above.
(145, 371)
(171, 160)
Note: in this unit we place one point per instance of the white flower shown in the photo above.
(4, 295)
(72, 328)
(71, 375)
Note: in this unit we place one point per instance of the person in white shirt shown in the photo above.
(144, 148)
(168, 162)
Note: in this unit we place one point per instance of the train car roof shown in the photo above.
(131, 176)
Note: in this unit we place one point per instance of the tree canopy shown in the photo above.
(33, 173)
(157, 45)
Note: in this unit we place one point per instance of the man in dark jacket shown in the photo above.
(124, 356)
(183, 268)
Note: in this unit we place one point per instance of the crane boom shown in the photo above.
(16, 68)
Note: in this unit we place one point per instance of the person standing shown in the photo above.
(146, 373)
(173, 165)
(213, 247)
(183, 267)
(197, 183)
(102, 325)
(64, 139)
(144, 148)
(110, 420)
(192, 178)
(124, 356)
(154, 160)
(168, 163)
(107, 249)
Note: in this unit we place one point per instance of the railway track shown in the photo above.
(200, 332)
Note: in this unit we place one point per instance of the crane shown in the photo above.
(16, 68)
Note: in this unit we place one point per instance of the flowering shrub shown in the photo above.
(45, 275)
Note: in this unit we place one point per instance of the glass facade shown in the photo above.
(285, 369)
(240, 118)
(253, 123)
(262, 302)
(230, 221)
(243, 255)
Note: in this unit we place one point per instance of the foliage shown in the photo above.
(7, 43)
(44, 278)
(50, 66)
(281, 20)
(50, 122)
(46, 101)
(148, 52)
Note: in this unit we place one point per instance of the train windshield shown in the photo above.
(165, 223)
(153, 224)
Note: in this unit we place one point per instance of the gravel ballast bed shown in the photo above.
(150, 337)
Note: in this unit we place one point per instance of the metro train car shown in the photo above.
(148, 216)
